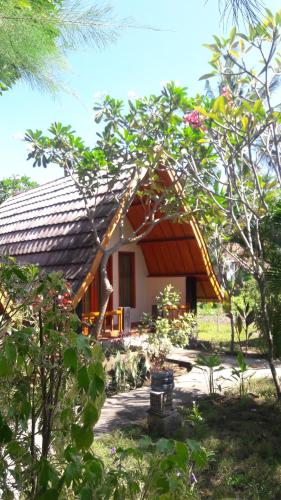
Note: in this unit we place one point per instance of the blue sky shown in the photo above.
(140, 61)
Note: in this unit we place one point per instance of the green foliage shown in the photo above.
(170, 328)
(14, 185)
(159, 344)
(223, 150)
(272, 243)
(244, 436)
(129, 371)
(35, 36)
(239, 374)
(169, 297)
(155, 470)
(212, 363)
(194, 414)
(183, 329)
(52, 386)
(28, 40)
(244, 315)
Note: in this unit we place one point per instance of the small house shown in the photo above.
(49, 226)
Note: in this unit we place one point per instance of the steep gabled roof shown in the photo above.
(48, 226)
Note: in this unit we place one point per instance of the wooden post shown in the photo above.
(191, 294)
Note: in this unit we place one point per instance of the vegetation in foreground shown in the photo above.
(242, 436)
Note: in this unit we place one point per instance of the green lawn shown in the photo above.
(216, 329)
(244, 435)
(213, 330)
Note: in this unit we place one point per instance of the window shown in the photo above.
(127, 293)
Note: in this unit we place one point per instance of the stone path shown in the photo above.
(127, 408)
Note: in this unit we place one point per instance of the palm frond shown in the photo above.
(249, 11)
(96, 25)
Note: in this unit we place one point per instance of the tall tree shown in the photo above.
(122, 157)
(242, 128)
(36, 34)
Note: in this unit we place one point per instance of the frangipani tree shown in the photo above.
(242, 126)
(124, 166)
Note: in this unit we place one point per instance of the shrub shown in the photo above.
(183, 330)
(129, 371)
(51, 391)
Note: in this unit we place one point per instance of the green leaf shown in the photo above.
(207, 76)
(82, 437)
(6, 369)
(83, 378)
(232, 35)
(165, 445)
(10, 351)
(15, 449)
(245, 122)
(145, 442)
(219, 105)
(83, 346)
(241, 361)
(20, 274)
(86, 493)
(258, 106)
(182, 454)
(70, 358)
(90, 414)
(93, 392)
(72, 471)
(6, 433)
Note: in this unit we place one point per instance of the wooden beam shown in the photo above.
(166, 240)
(180, 275)
(201, 243)
(91, 274)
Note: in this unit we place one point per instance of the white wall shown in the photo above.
(147, 289)
(155, 285)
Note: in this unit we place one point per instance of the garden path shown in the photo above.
(126, 409)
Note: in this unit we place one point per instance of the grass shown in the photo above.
(213, 330)
(244, 435)
(216, 330)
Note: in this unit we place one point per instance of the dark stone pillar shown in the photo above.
(191, 294)
(126, 320)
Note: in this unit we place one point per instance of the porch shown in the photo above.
(173, 254)
(117, 323)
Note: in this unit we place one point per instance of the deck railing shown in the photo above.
(91, 318)
(173, 312)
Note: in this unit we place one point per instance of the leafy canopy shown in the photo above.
(13, 185)
(35, 35)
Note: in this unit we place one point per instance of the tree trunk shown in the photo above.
(232, 331)
(266, 328)
(106, 291)
(232, 328)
